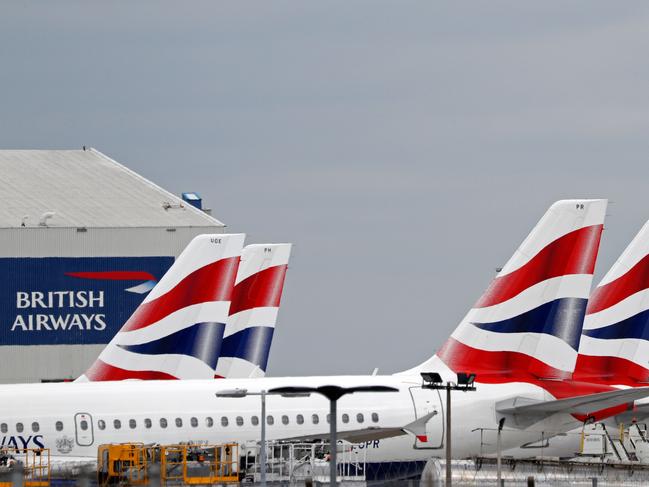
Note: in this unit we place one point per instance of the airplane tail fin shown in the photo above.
(528, 322)
(177, 331)
(615, 340)
(253, 312)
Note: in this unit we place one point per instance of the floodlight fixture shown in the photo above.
(465, 382)
(431, 377)
(465, 379)
(232, 393)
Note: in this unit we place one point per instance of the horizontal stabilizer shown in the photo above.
(526, 412)
(416, 428)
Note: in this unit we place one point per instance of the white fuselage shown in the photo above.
(72, 419)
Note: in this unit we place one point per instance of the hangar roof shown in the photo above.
(85, 188)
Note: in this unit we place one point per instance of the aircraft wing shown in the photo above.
(527, 411)
(372, 433)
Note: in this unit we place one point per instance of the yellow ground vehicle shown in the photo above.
(137, 464)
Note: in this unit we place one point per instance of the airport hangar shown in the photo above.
(83, 239)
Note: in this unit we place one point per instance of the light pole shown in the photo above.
(499, 473)
(333, 393)
(238, 393)
(465, 381)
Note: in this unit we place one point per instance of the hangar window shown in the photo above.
(194, 422)
(132, 424)
(209, 422)
(147, 423)
(254, 420)
(270, 420)
(179, 422)
(83, 425)
(284, 419)
(117, 424)
(101, 424)
(375, 417)
(224, 421)
(345, 418)
(35, 427)
(163, 422)
(360, 418)
(3, 427)
(299, 419)
(315, 419)
(19, 427)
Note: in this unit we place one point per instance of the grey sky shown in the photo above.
(406, 148)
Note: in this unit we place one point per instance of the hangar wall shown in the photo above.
(68, 288)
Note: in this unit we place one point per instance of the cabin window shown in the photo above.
(328, 418)
(224, 421)
(315, 419)
(270, 420)
(254, 420)
(132, 424)
(239, 421)
(101, 424)
(209, 422)
(375, 417)
(19, 427)
(345, 418)
(83, 424)
(163, 422)
(117, 424)
(299, 419)
(284, 419)
(3, 427)
(147, 423)
(35, 427)
(360, 418)
(179, 422)
(194, 422)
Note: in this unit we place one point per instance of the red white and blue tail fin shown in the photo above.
(177, 331)
(614, 345)
(528, 322)
(253, 312)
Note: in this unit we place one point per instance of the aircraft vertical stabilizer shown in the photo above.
(615, 340)
(528, 322)
(177, 331)
(253, 312)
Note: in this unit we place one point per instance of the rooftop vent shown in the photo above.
(193, 199)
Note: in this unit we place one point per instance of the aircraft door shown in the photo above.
(426, 401)
(83, 429)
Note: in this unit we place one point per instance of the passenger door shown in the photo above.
(426, 401)
(83, 429)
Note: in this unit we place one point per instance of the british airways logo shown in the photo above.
(65, 300)
(48, 319)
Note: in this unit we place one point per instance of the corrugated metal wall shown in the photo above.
(67, 291)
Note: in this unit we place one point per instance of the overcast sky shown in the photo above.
(406, 148)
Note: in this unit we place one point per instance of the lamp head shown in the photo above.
(232, 393)
(431, 378)
(465, 379)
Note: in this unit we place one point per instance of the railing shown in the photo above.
(34, 463)
(199, 465)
